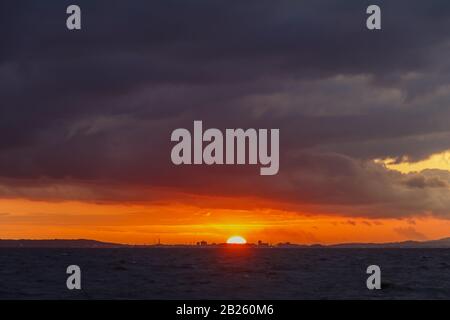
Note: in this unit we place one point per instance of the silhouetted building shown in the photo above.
(262, 244)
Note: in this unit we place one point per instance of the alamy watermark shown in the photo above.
(236, 142)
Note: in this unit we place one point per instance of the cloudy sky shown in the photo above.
(86, 118)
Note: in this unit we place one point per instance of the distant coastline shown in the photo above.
(86, 243)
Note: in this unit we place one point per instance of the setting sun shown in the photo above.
(236, 240)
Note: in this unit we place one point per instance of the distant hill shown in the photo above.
(441, 243)
(57, 243)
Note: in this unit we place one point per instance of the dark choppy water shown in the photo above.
(214, 273)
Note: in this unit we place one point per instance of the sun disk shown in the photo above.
(236, 240)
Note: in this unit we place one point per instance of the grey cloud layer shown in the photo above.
(99, 104)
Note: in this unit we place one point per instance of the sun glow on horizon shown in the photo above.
(130, 223)
(236, 240)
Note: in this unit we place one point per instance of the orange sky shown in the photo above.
(175, 223)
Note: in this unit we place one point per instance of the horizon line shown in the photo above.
(198, 243)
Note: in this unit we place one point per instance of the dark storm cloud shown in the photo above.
(98, 105)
